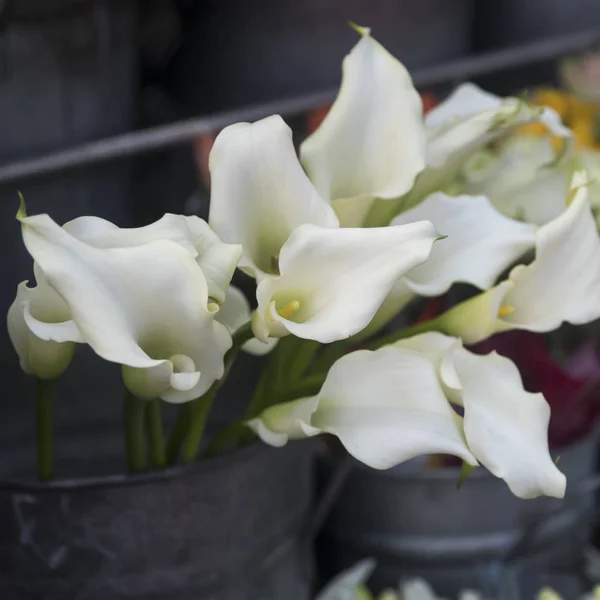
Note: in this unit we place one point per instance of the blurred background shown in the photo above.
(109, 108)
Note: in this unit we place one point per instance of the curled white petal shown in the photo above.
(481, 243)
(506, 427)
(561, 285)
(136, 306)
(101, 233)
(41, 330)
(333, 280)
(361, 403)
(563, 282)
(288, 421)
(234, 313)
(372, 142)
(217, 260)
(438, 348)
(260, 193)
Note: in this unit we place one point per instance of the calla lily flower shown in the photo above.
(523, 178)
(316, 281)
(360, 403)
(234, 313)
(41, 330)
(217, 260)
(332, 281)
(260, 194)
(504, 427)
(467, 121)
(372, 142)
(561, 285)
(144, 306)
(480, 244)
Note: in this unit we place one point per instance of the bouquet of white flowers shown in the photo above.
(339, 241)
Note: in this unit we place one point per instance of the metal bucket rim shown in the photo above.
(452, 473)
(124, 479)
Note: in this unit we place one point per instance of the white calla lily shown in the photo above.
(144, 307)
(234, 313)
(523, 178)
(480, 243)
(217, 260)
(386, 407)
(506, 428)
(372, 142)
(260, 193)
(41, 330)
(332, 281)
(561, 285)
(467, 121)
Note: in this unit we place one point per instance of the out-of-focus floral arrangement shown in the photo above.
(382, 208)
(350, 585)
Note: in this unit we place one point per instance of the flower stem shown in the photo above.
(178, 432)
(156, 437)
(242, 335)
(133, 427)
(309, 386)
(191, 418)
(199, 414)
(44, 405)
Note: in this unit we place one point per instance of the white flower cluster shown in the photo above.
(339, 240)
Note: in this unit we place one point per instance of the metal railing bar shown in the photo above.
(149, 140)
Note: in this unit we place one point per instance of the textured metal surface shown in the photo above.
(225, 529)
(419, 524)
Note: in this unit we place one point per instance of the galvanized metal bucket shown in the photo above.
(418, 524)
(248, 52)
(224, 529)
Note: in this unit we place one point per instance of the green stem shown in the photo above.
(330, 355)
(178, 432)
(156, 436)
(395, 336)
(199, 414)
(44, 406)
(133, 426)
(187, 411)
(300, 362)
(309, 386)
(242, 335)
(266, 387)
